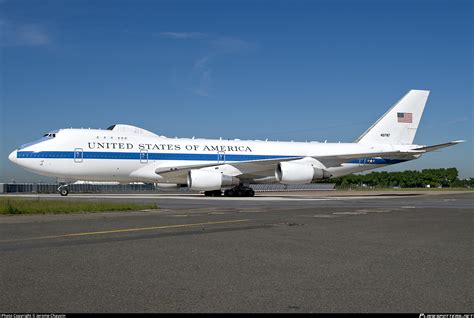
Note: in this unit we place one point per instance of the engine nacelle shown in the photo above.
(299, 173)
(206, 180)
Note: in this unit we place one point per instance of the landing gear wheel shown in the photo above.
(249, 192)
(215, 193)
(239, 191)
(63, 191)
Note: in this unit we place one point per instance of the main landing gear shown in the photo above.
(238, 191)
(63, 190)
(214, 193)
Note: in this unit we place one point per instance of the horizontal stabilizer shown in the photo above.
(439, 146)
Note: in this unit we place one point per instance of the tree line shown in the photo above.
(443, 177)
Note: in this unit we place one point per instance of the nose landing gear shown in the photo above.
(63, 190)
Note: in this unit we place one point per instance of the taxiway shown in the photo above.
(388, 252)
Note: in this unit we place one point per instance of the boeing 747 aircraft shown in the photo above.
(126, 153)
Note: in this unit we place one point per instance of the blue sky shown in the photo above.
(287, 70)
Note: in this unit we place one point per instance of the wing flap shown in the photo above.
(336, 160)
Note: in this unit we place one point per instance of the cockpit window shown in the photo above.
(49, 135)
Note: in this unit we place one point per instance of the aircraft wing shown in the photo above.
(261, 168)
(232, 169)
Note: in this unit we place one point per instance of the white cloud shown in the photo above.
(23, 34)
(218, 46)
(183, 35)
(231, 43)
(202, 72)
(201, 63)
(205, 83)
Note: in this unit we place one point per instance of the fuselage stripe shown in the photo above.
(143, 156)
(176, 156)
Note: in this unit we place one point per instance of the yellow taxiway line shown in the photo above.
(124, 230)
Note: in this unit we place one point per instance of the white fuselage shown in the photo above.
(105, 155)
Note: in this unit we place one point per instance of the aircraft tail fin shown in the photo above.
(399, 124)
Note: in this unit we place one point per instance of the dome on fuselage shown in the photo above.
(131, 130)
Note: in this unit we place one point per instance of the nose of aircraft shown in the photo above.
(12, 156)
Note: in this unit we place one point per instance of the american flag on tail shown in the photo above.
(405, 117)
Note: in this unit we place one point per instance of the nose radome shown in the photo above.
(12, 156)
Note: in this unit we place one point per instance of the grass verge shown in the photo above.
(10, 206)
(401, 189)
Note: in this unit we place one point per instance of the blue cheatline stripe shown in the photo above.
(176, 156)
(138, 156)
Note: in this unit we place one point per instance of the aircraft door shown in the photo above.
(78, 155)
(143, 156)
(220, 157)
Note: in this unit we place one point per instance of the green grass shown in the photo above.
(9, 206)
(347, 188)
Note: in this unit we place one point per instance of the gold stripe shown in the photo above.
(123, 230)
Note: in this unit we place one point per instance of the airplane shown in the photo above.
(124, 153)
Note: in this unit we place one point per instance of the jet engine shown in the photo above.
(209, 180)
(299, 173)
